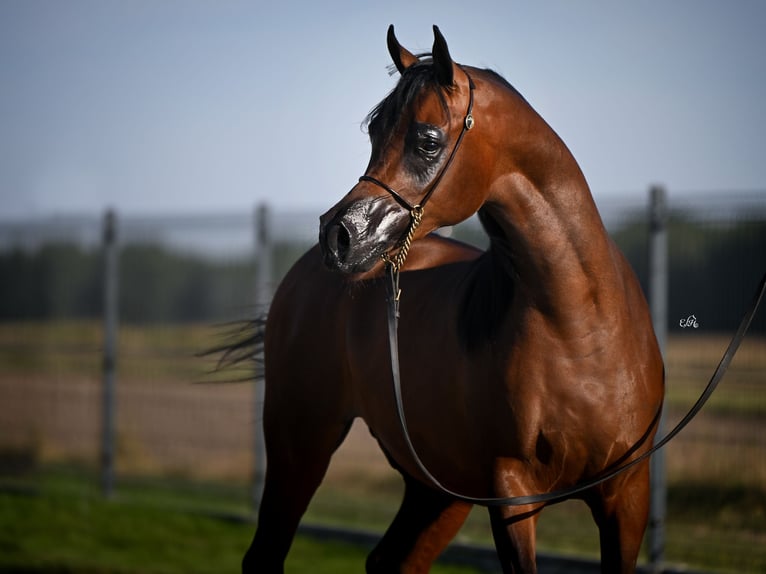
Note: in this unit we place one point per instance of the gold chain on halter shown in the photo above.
(397, 262)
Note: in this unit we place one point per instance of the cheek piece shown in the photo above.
(396, 261)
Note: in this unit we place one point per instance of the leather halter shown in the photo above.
(416, 211)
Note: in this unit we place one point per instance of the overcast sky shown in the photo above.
(165, 106)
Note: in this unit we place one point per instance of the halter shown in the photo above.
(396, 262)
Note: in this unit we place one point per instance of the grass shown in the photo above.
(715, 528)
(64, 528)
(59, 523)
(58, 532)
(86, 535)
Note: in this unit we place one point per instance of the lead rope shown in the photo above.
(393, 296)
(395, 264)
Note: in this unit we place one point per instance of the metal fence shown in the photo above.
(102, 322)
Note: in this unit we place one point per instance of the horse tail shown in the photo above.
(242, 351)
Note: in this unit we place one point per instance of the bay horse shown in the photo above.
(526, 368)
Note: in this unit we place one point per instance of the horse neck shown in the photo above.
(559, 248)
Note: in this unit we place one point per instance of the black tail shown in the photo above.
(242, 351)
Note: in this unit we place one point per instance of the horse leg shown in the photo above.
(621, 510)
(514, 527)
(426, 523)
(299, 447)
(514, 531)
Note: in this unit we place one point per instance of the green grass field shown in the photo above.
(61, 526)
(59, 523)
(183, 453)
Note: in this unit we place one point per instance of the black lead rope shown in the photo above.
(392, 288)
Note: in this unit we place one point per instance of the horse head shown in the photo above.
(424, 151)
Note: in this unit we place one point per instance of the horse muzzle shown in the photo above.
(353, 236)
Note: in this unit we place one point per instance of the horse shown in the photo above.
(527, 367)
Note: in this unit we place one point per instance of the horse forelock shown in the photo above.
(382, 122)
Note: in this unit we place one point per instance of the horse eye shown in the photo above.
(425, 143)
(430, 147)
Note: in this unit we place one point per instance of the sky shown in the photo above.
(185, 106)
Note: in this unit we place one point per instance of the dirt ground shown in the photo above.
(205, 431)
(197, 430)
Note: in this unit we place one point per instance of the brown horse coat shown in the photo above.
(525, 369)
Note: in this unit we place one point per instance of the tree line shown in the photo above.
(156, 285)
(714, 269)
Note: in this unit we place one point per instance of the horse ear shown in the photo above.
(402, 57)
(442, 59)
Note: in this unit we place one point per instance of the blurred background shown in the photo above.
(183, 119)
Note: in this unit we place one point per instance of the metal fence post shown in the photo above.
(658, 300)
(263, 287)
(110, 318)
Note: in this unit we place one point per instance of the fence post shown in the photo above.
(110, 318)
(263, 287)
(658, 300)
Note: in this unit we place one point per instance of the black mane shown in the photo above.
(384, 118)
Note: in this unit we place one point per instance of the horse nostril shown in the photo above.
(338, 241)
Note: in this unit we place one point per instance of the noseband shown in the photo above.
(396, 262)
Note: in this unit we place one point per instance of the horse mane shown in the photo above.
(490, 290)
(384, 118)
